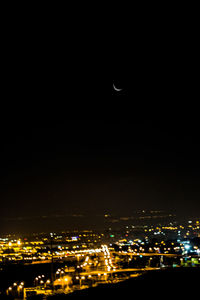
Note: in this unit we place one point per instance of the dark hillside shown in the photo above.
(171, 284)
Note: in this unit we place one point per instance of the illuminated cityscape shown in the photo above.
(99, 155)
(66, 262)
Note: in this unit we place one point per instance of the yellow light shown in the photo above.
(66, 279)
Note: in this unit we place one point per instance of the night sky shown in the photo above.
(71, 145)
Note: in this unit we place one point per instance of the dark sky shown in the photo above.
(71, 145)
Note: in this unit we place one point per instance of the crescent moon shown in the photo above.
(116, 89)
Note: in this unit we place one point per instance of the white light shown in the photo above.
(187, 247)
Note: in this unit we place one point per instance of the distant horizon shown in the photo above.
(65, 222)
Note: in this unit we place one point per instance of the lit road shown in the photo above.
(118, 271)
(146, 254)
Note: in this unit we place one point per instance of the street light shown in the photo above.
(67, 281)
(80, 280)
(9, 290)
(19, 289)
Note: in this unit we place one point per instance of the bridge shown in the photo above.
(128, 270)
(146, 254)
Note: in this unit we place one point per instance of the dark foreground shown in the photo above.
(171, 284)
(179, 283)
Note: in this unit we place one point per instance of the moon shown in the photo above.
(116, 89)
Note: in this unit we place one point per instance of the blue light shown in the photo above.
(187, 247)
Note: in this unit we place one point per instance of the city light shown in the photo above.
(108, 262)
(187, 247)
